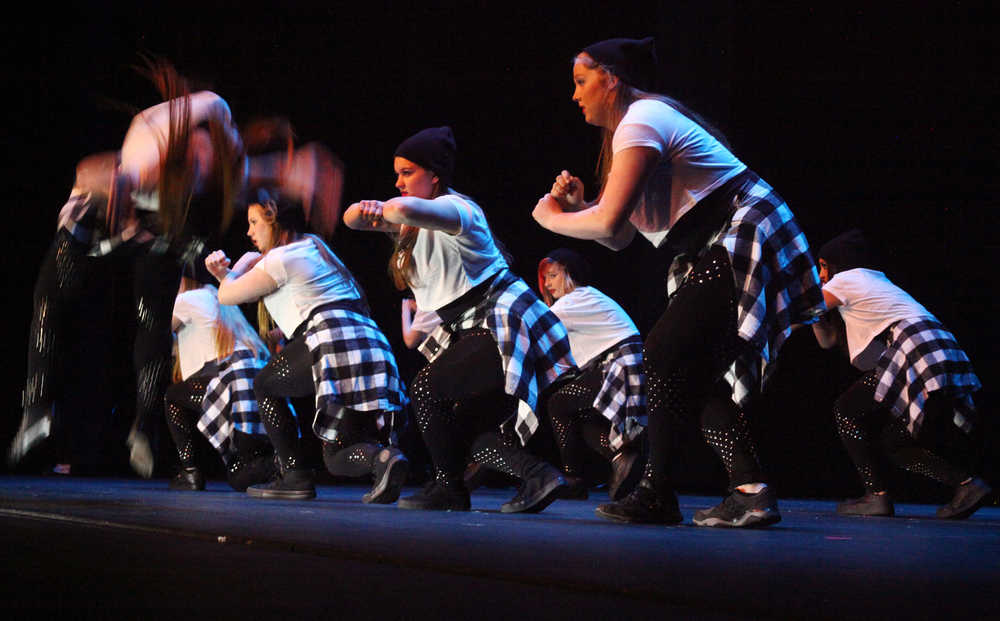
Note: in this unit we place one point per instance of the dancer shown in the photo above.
(611, 385)
(496, 337)
(171, 185)
(335, 351)
(740, 273)
(917, 387)
(218, 355)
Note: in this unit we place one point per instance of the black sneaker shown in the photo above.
(246, 471)
(540, 488)
(626, 470)
(188, 480)
(437, 497)
(390, 472)
(968, 498)
(740, 510)
(879, 505)
(288, 485)
(576, 488)
(643, 506)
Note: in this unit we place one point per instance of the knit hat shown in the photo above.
(576, 266)
(434, 149)
(632, 60)
(846, 251)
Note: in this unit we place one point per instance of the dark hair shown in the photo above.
(846, 251)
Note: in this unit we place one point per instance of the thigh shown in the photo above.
(469, 367)
(696, 335)
(288, 373)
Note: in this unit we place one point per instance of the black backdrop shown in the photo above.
(880, 120)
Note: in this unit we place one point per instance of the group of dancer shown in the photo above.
(502, 359)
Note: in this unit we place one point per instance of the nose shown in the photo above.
(399, 182)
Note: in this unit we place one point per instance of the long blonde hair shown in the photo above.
(401, 259)
(231, 329)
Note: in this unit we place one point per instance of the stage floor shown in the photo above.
(97, 548)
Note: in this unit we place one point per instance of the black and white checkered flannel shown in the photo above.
(622, 397)
(353, 367)
(923, 357)
(533, 343)
(229, 399)
(776, 279)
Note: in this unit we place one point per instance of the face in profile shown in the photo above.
(413, 179)
(824, 271)
(592, 86)
(556, 280)
(260, 229)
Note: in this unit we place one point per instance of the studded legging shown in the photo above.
(183, 402)
(59, 288)
(686, 354)
(575, 423)
(289, 374)
(459, 403)
(860, 418)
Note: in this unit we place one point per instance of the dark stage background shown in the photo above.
(879, 120)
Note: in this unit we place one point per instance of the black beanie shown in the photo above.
(434, 149)
(632, 60)
(846, 251)
(577, 266)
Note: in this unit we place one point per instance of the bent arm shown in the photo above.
(436, 215)
(249, 287)
(825, 329)
(359, 218)
(607, 220)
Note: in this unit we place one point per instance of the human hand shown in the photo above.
(568, 190)
(217, 264)
(546, 208)
(371, 212)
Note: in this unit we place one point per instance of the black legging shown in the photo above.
(183, 402)
(459, 402)
(289, 374)
(686, 354)
(576, 424)
(859, 417)
(59, 288)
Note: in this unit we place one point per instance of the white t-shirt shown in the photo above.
(871, 303)
(305, 280)
(692, 164)
(446, 266)
(198, 311)
(593, 321)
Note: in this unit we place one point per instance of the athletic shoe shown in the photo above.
(140, 454)
(576, 488)
(437, 497)
(188, 480)
(390, 472)
(626, 470)
(643, 506)
(246, 471)
(540, 488)
(740, 510)
(36, 426)
(968, 498)
(289, 485)
(870, 504)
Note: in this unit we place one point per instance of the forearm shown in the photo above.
(826, 331)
